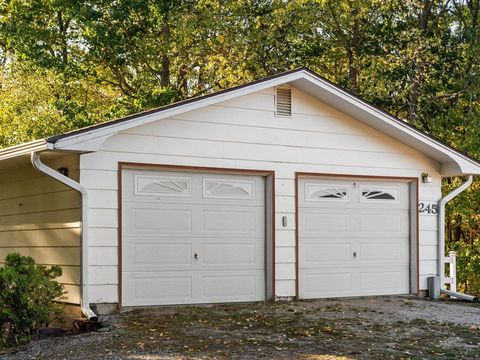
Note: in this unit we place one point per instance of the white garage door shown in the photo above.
(192, 238)
(353, 238)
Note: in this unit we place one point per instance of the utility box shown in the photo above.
(434, 287)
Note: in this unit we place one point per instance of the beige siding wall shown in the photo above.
(40, 217)
(245, 133)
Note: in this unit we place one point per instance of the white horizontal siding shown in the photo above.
(285, 271)
(428, 222)
(103, 275)
(104, 293)
(103, 199)
(284, 255)
(103, 236)
(96, 164)
(263, 152)
(215, 132)
(285, 204)
(429, 237)
(40, 217)
(285, 288)
(104, 255)
(285, 238)
(285, 187)
(245, 134)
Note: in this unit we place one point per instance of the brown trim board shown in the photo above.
(119, 233)
(299, 175)
(227, 171)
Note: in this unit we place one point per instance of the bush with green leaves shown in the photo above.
(28, 298)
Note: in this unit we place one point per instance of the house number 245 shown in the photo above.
(424, 208)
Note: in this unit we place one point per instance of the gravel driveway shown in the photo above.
(360, 328)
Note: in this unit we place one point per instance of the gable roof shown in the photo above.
(453, 162)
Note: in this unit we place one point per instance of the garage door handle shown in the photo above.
(354, 254)
(195, 256)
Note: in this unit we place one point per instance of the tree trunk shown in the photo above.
(165, 60)
(353, 54)
(165, 72)
(419, 66)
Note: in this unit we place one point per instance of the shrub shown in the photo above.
(27, 298)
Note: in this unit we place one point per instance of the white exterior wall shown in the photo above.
(244, 133)
(40, 217)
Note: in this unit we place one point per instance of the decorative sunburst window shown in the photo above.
(330, 193)
(325, 192)
(219, 188)
(162, 186)
(377, 194)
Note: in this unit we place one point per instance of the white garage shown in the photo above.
(192, 238)
(354, 237)
(286, 187)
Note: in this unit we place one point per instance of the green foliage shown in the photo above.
(463, 235)
(65, 64)
(27, 298)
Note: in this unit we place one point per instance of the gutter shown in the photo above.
(441, 240)
(38, 165)
(23, 149)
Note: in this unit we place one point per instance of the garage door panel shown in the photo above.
(342, 222)
(391, 251)
(233, 287)
(156, 289)
(147, 186)
(150, 256)
(230, 254)
(212, 254)
(191, 201)
(164, 220)
(326, 284)
(384, 279)
(153, 288)
(172, 219)
(191, 238)
(354, 239)
(325, 223)
(326, 254)
(390, 224)
(232, 222)
(169, 254)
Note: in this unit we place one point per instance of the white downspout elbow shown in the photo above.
(441, 227)
(37, 164)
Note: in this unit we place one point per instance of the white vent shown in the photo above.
(283, 106)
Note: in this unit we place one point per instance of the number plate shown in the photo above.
(428, 208)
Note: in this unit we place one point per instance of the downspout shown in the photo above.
(37, 164)
(441, 240)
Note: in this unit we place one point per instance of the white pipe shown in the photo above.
(459, 295)
(441, 227)
(37, 164)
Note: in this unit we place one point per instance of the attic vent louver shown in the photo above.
(283, 106)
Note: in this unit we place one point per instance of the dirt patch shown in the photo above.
(362, 328)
